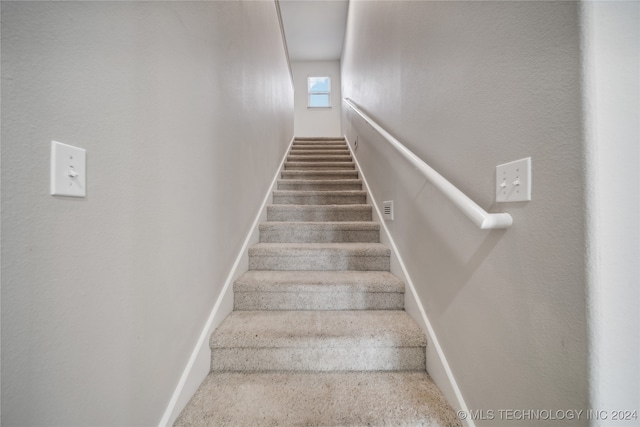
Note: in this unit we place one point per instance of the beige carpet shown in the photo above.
(318, 399)
(319, 335)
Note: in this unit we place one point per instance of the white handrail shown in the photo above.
(479, 216)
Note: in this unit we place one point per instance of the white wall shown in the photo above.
(468, 86)
(316, 121)
(611, 45)
(185, 109)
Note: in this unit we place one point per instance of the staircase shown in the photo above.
(318, 335)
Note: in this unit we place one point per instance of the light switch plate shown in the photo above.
(68, 170)
(513, 181)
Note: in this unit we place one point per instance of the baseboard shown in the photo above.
(437, 364)
(199, 363)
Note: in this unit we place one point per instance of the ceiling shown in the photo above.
(314, 29)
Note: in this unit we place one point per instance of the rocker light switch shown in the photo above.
(513, 181)
(68, 170)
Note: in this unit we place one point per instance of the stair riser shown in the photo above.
(328, 199)
(318, 142)
(325, 186)
(319, 236)
(319, 166)
(325, 146)
(326, 150)
(315, 175)
(319, 282)
(321, 261)
(319, 359)
(318, 301)
(321, 147)
(303, 152)
(319, 159)
(317, 214)
(319, 138)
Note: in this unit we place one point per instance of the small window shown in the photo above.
(319, 92)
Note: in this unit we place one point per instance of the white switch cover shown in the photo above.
(68, 170)
(513, 181)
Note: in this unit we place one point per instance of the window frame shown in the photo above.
(310, 93)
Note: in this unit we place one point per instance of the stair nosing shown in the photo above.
(354, 207)
(300, 249)
(320, 163)
(319, 192)
(309, 329)
(322, 225)
(320, 181)
(318, 281)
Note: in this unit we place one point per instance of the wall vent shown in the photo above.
(387, 210)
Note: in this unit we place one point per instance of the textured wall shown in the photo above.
(185, 109)
(319, 121)
(611, 46)
(468, 86)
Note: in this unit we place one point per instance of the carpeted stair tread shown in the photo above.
(335, 150)
(289, 212)
(319, 158)
(326, 225)
(303, 329)
(318, 138)
(313, 249)
(311, 148)
(320, 184)
(319, 146)
(340, 299)
(320, 152)
(319, 232)
(318, 398)
(319, 141)
(319, 174)
(315, 340)
(318, 290)
(320, 192)
(318, 281)
(319, 256)
(320, 149)
(319, 165)
(319, 197)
